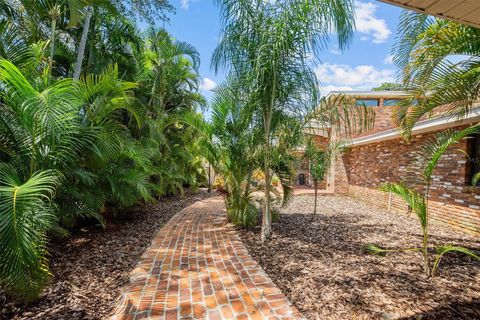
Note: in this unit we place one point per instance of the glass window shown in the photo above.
(473, 164)
(367, 102)
(391, 102)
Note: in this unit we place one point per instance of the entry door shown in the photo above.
(301, 179)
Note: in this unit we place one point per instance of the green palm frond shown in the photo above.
(342, 114)
(441, 251)
(415, 200)
(25, 217)
(374, 249)
(423, 52)
(436, 146)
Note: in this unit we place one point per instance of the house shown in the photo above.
(381, 155)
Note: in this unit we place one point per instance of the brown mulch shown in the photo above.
(91, 266)
(320, 265)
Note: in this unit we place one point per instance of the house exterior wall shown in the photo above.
(452, 201)
(383, 116)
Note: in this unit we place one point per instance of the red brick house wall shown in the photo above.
(452, 200)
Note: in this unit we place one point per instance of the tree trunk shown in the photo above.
(82, 45)
(315, 183)
(267, 215)
(52, 45)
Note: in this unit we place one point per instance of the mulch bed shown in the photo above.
(320, 265)
(92, 265)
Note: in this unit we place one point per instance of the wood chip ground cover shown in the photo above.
(320, 265)
(91, 266)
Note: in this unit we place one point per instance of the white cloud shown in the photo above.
(324, 90)
(367, 23)
(345, 77)
(388, 59)
(185, 4)
(336, 51)
(208, 84)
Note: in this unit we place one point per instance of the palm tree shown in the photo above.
(266, 44)
(171, 66)
(417, 195)
(317, 164)
(39, 143)
(43, 15)
(437, 82)
(235, 143)
(77, 148)
(82, 44)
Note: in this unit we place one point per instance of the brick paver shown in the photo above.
(198, 268)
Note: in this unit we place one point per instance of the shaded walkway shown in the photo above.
(197, 268)
(309, 191)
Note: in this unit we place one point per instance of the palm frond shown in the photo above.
(436, 146)
(25, 217)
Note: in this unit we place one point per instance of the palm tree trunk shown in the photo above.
(82, 45)
(425, 234)
(267, 214)
(52, 45)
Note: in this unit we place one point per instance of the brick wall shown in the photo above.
(455, 216)
(452, 201)
(383, 116)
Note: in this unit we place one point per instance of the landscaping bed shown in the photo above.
(320, 265)
(91, 266)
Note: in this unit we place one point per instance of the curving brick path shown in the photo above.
(198, 268)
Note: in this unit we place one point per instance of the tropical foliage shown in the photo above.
(440, 63)
(267, 46)
(416, 195)
(388, 86)
(81, 141)
(318, 162)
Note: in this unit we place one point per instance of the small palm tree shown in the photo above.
(25, 217)
(235, 143)
(317, 164)
(39, 144)
(417, 197)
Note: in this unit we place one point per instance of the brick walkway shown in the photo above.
(198, 268)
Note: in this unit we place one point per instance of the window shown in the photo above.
(368, 102)
(391, 102)
(473, 161)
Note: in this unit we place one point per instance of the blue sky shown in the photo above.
(364, 65)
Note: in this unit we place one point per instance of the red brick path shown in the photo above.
(198, 268)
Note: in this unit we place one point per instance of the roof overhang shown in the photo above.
(317, 128)
(386, 94)
(462, 11)
(420, 127)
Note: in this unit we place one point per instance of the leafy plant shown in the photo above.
(25, 215)
(74, 149)
(235, 146)
(436, 82)
(265, 45)
(317, 164)
(417, 196)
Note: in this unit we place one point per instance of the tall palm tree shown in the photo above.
(171, 65)
(266, 44)
(39, 16)
(440, 63)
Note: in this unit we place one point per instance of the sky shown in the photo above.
(365, 64)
